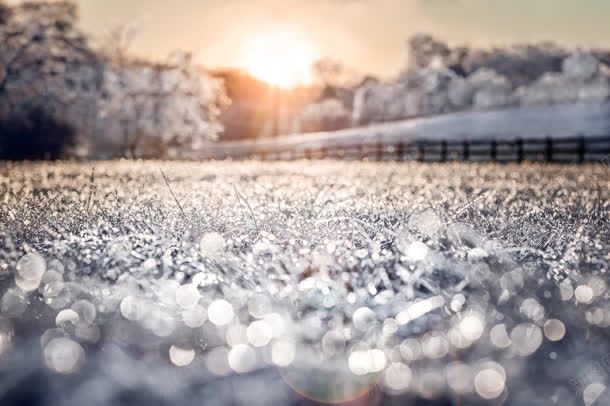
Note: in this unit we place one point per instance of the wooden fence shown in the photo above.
(577, 149)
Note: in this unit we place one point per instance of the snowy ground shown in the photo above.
(291, 283)
(533, 122)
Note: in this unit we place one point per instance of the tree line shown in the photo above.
(62, 96)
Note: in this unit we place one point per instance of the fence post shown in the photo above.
(466, 147)
(379, 149)
(520, 157)
(443, 151)
(340, 152)
(494, 150)
(548, 150)
(400, 151)
(581, 149)
(420, 152)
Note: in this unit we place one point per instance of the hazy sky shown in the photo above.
(366, 34)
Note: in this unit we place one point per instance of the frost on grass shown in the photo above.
(436, 282)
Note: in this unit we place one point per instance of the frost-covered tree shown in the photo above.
(326, 115)
(42, 56)
(441, 79)
(46, 69)
(337, 80)
(49, 72)
(333, 73)
(416, 93)
(423, 49)
(153, 108)
(582, 78)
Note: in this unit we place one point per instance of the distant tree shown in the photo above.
(116, 45)
(42, 56)
(331, 72)
(338, 82)
(48, 74)
(327, 115)
(249, 114)
(156, 107)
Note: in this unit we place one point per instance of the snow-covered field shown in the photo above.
(532, 122)
(295, 283)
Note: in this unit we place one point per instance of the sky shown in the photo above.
(367, 35)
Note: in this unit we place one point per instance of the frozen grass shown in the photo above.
(175, 283)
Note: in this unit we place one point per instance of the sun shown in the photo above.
(280, 56)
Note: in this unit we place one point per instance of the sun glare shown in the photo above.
(281, 56)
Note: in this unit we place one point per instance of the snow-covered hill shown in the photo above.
(558, 121)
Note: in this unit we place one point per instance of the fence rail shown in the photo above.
(578, 149)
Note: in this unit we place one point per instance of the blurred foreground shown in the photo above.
(179, 283)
